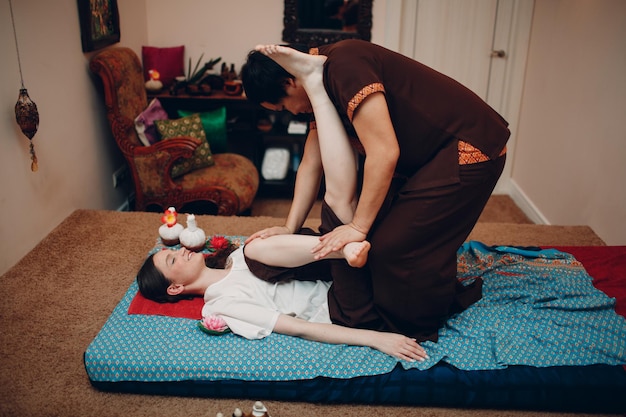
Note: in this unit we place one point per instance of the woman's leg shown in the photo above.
(291, 251)
(350, 296)
(338, 157)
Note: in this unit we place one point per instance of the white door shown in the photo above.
(480, 43)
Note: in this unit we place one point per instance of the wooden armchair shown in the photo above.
(231, 184)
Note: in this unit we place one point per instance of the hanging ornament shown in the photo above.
(26, 113)
(27, 118)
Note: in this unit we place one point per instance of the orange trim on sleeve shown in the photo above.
(469, 154)
(362, 95)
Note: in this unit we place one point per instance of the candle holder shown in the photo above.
(154, 84)
(170, 230)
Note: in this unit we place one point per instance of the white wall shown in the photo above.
(227, 28)
(217, 28)
(76, 153)
(569, 166)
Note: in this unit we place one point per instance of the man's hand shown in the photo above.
(336, 240)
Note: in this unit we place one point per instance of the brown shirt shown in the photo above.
(428, 109)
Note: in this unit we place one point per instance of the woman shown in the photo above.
(433, 152)
(254, 308)
(291, 299)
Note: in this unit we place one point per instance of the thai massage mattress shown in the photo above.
(542, 337)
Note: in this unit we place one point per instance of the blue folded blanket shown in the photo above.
(539, 308)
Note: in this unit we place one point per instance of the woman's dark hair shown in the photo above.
(153, 284)
(263, 79)
(218, 259)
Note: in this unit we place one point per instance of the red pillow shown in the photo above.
(169, 62)
(187, 309)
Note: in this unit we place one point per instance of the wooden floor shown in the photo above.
(499, 209)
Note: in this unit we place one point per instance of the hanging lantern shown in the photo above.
(26, 113)
(27, 118)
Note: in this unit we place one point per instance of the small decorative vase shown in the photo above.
(233, 88)
(201, 89)
(170, 230)
(192, 237)
(259, 410)
(154, 85)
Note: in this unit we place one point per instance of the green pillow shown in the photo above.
(214, 123)
(187, 126)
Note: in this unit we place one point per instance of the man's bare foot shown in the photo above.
(308, 68)
(355, 253)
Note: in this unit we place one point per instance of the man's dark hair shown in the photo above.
(263, 79)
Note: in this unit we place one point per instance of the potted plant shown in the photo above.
(200, 81)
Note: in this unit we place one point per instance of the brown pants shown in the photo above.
(409, 285)
(414, 247)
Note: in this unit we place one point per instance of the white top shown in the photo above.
(251, 306)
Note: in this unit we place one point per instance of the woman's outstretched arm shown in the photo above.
(393, 344)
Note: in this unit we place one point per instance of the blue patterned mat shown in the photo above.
(539, 308)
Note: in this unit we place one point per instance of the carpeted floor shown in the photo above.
(60, 294)
(499, 209)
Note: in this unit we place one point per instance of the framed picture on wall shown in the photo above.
(99, 23)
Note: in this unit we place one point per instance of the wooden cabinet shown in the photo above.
(243, 133)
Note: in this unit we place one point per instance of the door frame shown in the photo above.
(512, 34)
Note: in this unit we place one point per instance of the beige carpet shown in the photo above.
(60, 294)
(499, 209)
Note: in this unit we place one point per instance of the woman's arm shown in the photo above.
(306, 189)
(396, 345)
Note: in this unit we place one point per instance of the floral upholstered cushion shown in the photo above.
(144, 123)
(190, 126)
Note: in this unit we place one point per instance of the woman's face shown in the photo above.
(179, 266)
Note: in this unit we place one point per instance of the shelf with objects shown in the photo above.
(273, 141)
(282, 140)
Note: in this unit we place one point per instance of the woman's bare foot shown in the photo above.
(307, 68)
(355, 253)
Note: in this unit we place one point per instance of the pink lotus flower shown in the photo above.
(214, 323)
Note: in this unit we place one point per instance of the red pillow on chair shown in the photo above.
(169, 62)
